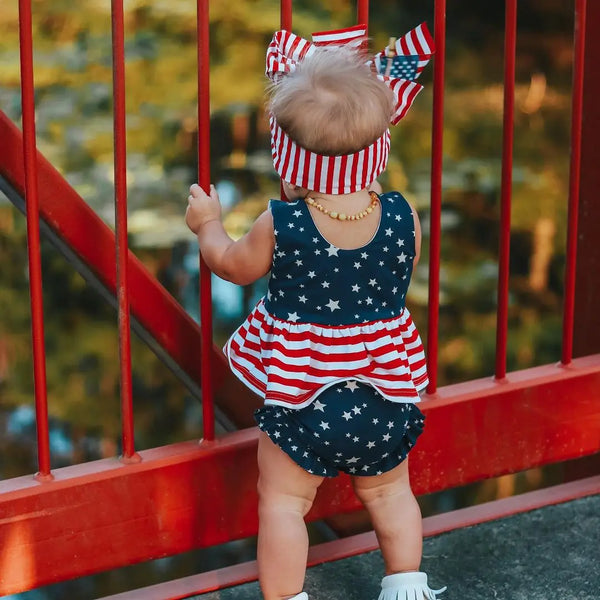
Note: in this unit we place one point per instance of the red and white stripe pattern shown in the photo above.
(405, 92)
(352, 172)
(417, 42)
(327, 174)
(351, 36)
(290, 364)
(285, 51)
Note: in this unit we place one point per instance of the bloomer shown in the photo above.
(349, 427)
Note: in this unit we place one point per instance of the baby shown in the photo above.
(331, 348)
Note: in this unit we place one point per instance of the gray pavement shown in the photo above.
(551, 553)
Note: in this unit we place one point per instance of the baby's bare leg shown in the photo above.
(286, 493)
(396, 517)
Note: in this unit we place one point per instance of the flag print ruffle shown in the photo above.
(291, 363)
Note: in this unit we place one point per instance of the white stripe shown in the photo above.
(300, 163)
(348, 175)
(337, 164)
(311, 171)
(291, 150)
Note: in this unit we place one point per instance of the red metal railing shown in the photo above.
(574, 178)
(510, 48)
(435, 214)
(122, 249)
(206, 371)
(33, 239)
(540, 402)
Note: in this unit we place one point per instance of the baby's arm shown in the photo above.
(242, 261)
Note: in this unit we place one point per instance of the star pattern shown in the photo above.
(346, 434)
(340, 287)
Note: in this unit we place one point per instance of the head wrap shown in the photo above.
(351, 172)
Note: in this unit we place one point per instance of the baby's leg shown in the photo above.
(286, 493)
(395, 515)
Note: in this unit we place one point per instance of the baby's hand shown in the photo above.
(202, 208)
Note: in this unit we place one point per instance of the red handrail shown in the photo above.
(510, 37)
(435, 232)
(574, 177)
(122, 247)
(33, 239)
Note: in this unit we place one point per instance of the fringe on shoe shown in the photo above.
(407, 586)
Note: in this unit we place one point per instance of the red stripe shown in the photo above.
(318, 166)
(342, 177)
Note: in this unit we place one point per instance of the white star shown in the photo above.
(390, 424)
(385, 248)
(375, 421)
(315, 240)
(388, 231)
(281, 293)
(324, 425)
(369, 300)
(311, 274)
(318, 405)
(373, 282)
(332, 250)
(291, 225)
(347, 416)
(293, 317)
(351, 384)
(371, 445)
(355, 438)
(294, 448)
(357, 265)
(301, 229)
(398, 218)
(302, 299)
(365, 468)
(298, 263)
(277, 434)
(352, 460)
(281, 253)
(381, 263)
(364, 255)
(355, 287)
(400, 242)
(387, 437)
(325, 284)
(333, 305)
(356, 410)
(297, 213)
(394, 290)
(402, 258)
(317, 252)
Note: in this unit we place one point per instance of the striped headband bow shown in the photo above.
(398, 67)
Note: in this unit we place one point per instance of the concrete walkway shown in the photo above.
(551, 553)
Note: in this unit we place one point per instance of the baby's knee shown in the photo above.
(270, 498)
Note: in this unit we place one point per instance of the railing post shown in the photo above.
(437, 141)
(33, 240)
(574, 174)
(206, 331)
(586, 334)
(510, 38)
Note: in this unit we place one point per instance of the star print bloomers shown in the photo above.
(333, 317)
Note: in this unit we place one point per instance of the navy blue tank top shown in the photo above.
(313, 281)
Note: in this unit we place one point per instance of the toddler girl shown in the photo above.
(331, 347)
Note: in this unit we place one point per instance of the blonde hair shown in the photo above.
(332, 104)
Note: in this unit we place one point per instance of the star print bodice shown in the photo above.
(313, 281)
(332, 315)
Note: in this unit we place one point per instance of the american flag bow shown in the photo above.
(397, 67)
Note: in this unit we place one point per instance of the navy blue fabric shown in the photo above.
(349, 428)
(313, 281)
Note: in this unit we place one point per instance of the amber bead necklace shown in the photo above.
(340, 216)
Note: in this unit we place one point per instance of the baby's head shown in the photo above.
(332, 104)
